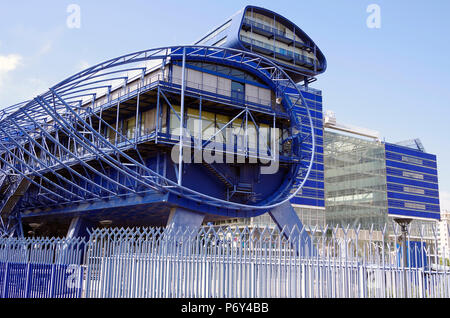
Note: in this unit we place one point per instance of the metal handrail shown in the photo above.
(278, 50)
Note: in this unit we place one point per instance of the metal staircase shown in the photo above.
(246, 188)
(233, 188)
(219, 175)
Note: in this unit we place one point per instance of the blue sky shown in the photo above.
(394, 79)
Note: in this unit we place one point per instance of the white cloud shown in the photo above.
(444, 198)
(8, 63)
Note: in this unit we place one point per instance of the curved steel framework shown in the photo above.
(42, 140)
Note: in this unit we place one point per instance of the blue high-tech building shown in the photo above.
(102, 146)
(98, 147)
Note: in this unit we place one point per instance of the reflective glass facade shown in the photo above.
(355, 181)
(369, 182)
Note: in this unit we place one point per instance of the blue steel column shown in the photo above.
(79, 227)
(180, 218)
(183, 85)
(292, 228)
(19, 226)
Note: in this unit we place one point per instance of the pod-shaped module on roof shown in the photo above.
(267, 33)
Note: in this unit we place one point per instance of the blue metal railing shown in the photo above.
(273, 30)
(276, 32)
(299, 58)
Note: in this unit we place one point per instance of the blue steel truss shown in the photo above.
(42, 140)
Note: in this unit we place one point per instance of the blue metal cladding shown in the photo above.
(412, 182)
(313, 193)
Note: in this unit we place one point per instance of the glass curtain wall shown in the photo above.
(355, 181)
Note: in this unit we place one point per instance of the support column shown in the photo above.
(79, 227)
(181, 218)
(19, 226)
(287, 219)
(183, 88)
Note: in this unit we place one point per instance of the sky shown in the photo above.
(394, 79)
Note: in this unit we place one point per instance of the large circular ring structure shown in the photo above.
(60, 109)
